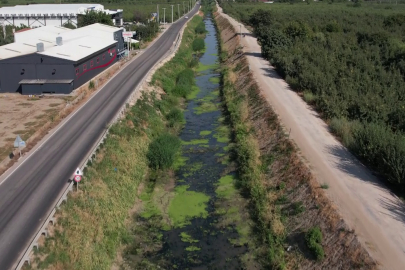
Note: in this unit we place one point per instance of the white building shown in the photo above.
(52, 14)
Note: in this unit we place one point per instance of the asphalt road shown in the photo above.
(28, 194)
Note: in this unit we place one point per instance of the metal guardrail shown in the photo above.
(50, 219)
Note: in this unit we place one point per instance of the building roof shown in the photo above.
(76, 44)
(79, 48)
(48, 9)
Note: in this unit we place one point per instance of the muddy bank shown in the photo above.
(287, 202)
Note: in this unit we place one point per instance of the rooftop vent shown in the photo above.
(40, 47)
(59, 41)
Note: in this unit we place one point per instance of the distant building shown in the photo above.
(54, 59)
(37, 15)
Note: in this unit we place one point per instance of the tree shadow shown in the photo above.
(255, 54)
(349, 164)
(395, 206)
(272, 73)
(247, 34)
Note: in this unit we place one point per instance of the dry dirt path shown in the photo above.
(376, 215)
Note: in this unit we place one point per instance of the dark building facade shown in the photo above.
(37, 73)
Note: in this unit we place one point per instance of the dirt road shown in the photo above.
(376, 215)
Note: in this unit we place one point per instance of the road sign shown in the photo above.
(78, 175)
(78, 178)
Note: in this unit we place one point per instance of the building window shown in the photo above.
(91, 63)
(103, 56)
(98, 60)
(77, 71)
(84, 67)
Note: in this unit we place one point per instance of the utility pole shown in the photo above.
(240, 29)
(158, 15)
(178, 10)
(164, 15)
(172, 14)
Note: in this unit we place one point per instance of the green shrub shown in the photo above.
(186, 77)
(162, 151)
(198, 44)
(313, 239)
(200, 29)
(309, 97)
(91, 85)
(175, 116)
(298, 208)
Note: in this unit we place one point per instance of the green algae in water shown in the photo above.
(205, 107)
(186, 205)
(196, 142)
(194, 92)
(202, 67)
(226, 188)
(187, 238)
(193, 248)
(180, 161)
(214, 79)
(205, 132)
(222, 134)
(193, 169)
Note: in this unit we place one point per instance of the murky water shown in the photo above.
(206, 141)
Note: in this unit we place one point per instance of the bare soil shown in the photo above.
(21, 115)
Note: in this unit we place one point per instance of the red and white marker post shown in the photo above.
(78, 177)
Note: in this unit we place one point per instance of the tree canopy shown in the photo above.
(349, 62)
(94, 17)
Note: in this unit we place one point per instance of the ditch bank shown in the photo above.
(295, 220)
(189, 214)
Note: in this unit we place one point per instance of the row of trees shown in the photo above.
(351, 67)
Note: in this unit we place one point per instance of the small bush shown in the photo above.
(198, 44)
(343, 129)
(309, 97)
(325, 186)
(91, 85)
(181, 91)
(313, 239)
(298, 208)
(186, 77)
(175, 116)
(200, 29)
(162, 151)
